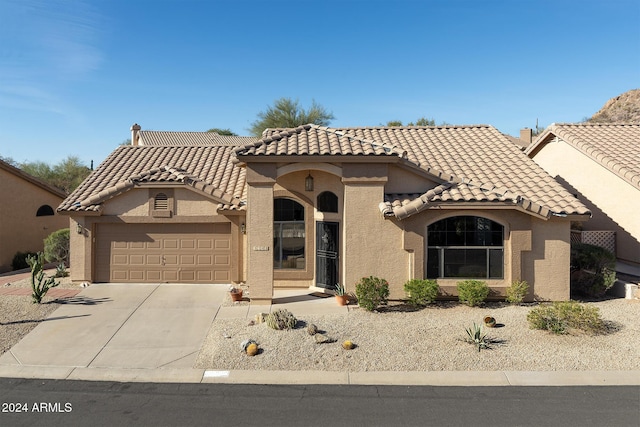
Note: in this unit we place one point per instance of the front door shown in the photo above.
(327, 254)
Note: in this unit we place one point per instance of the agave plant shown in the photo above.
(476, 337)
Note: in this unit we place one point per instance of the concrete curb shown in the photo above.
(430, 378)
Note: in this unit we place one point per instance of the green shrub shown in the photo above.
(40, 284)
(56, 246)
(19, 261)
(421, 292)
(372, 292)
(472, 292)
(517, 291)
(562, 317)
(592, 269)
(590, 257)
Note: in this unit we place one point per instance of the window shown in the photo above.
(288, 234)
(465, 246)
(327, 202)
(161, 202)
(44, 210)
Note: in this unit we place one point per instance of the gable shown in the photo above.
(615, 147)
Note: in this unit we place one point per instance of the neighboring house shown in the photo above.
(313, 206)
(27, 213)
(600, 164)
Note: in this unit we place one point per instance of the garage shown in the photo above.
(163, 253)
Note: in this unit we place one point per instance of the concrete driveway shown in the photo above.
(123, 326)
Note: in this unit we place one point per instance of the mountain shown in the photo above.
(621, 109)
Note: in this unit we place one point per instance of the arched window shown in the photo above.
(288, 234)
(465, 246)
(161, 202)
(44, 210)
(327, 202)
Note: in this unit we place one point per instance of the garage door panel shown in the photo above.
(170, 243)
(153, 260)
(188, 253)
(222, 244)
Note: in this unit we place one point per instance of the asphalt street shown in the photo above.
(85, 403)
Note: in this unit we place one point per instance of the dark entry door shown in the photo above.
(327, 245)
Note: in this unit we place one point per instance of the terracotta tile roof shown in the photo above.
(156, 138)
(208, 169)
(615, 146)
(32, 179)
(313, 140)
(475, 164)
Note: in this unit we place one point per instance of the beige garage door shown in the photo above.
(163, 253)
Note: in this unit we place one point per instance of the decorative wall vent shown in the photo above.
(161, 202)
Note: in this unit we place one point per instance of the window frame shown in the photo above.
(445, 251)
(278, 227)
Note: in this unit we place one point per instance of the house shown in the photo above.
(27, 213)
(314, 206)
(600, 164)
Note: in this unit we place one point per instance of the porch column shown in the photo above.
(260, 182)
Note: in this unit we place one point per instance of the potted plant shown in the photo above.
(341, 294)
(236, 293)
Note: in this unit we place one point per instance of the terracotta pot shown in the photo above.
(489, 321)
(342, 299)
(236, 296)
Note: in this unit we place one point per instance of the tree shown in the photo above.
(287, 113)
(225, 132)
(66, 175)
(125, 142)
(9, 160)
(422, 121)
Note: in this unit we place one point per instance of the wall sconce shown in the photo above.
(308, 183)
(243, 228)
(79, 228)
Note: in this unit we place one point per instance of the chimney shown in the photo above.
(135, 133)
(526, 135)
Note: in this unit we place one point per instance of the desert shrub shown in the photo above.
(372, 292)
(593, 269)
(56, 246)
(281, 319)
(562, 317)
(590, 257)
(472, 292)
(421, 292)
(517, 291)
(40, 284)
(19, 261)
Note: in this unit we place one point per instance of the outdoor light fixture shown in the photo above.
(243, 228)
(79, 228)
(308, 183)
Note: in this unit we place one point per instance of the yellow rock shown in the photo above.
(347, 345)
(252, 349)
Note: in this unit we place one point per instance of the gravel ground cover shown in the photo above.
(430, 339)
(18, 315)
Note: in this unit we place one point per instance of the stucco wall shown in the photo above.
(616, 202)
(20, 229)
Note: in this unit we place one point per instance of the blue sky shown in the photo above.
(76, 74)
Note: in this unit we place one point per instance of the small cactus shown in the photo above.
(281, 319)
(244, 345)
(252, 349)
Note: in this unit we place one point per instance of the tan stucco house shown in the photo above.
(600, 164)
(313, 206)
(27, 213)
